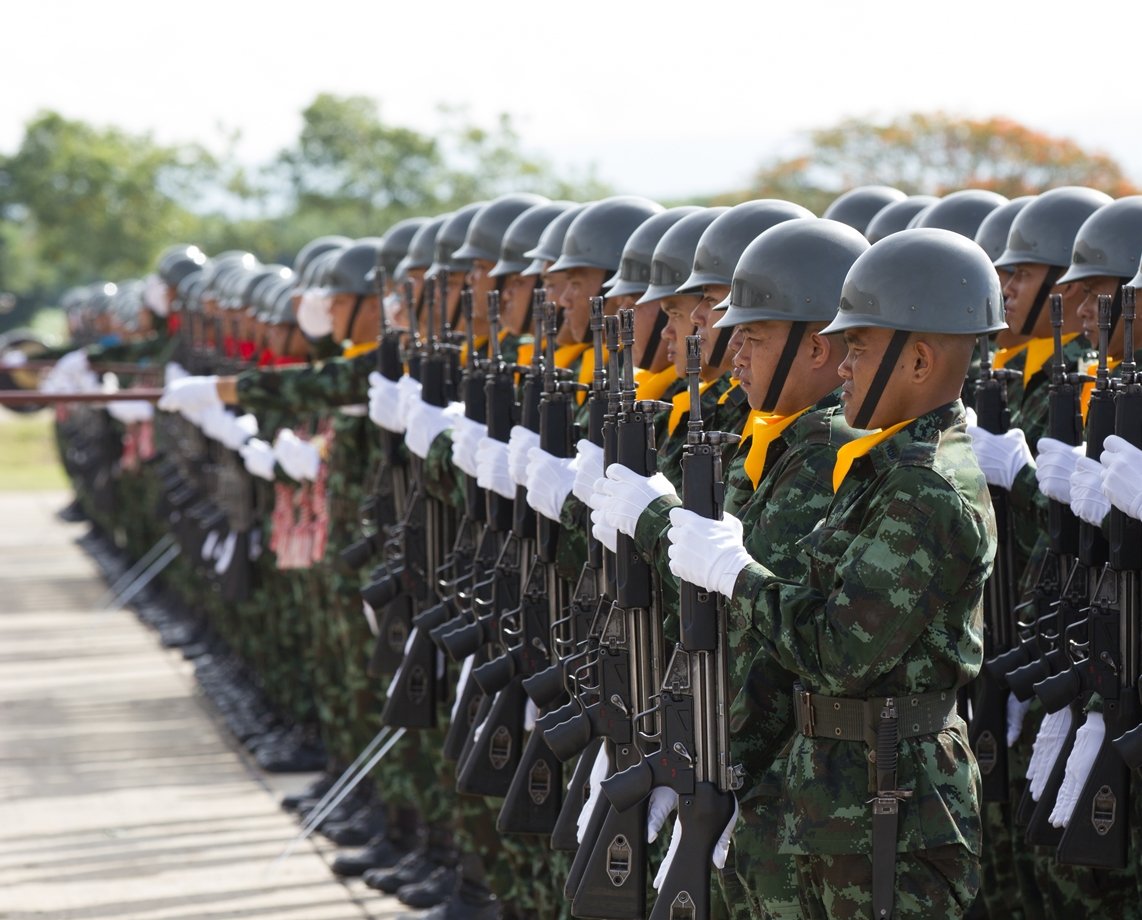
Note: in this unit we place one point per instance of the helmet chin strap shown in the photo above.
(654, 340)
(357, 301)
(721, 344)
(784, 363)
(1054, 273)
(880, 381)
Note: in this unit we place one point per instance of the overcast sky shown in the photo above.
(666, 98)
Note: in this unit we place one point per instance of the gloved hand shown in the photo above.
(1048, 743)
(174, 371)
(663, 800)
(1088, 501)
(1088, 739)
(385, 403)
(520, 443)
(588, 468)
(624, 495)
(300, 459)
(258, 456)
(1016, 711)
(72, 364)
(595, 797)
(492, 467)
(131, 411)
(718, 857)
(13, 357)
(224, 553)
(424, 425)
(237, 431)
(1053, 468)
(214, 420)
(190, 396)
(409, 398)
(465, 440)
(1121, 462)
(530, 714)
(603, 531)
(549, 481)
(1000, 456)
(705, 552)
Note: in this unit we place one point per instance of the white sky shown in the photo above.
(665, 97)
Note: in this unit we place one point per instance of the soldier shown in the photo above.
(886, 627)
(858, 206)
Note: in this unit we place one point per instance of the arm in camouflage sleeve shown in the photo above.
(336, 382)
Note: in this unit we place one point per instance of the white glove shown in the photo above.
(520, 443)
(1088, 739)
(603, 531)
(595, 797)
(530, 714)
(1053, 468)
(625, 495)
(1121, 483)
(424, 425)
(1088, 501)
(191, 396)
(1000, 456)
(663, 800)
(237, 431)
(130, 411)
(174, 371)
(385, 403)
(224, 553)
(73, 364)
(210, 545)
(465, 439)
(259, 458)
(588, 468)
(549, 481)
(492, 467)
(213, 421)
(718, 857)
(1016, 712)
(13, 357)
(300, 459)
(1048, 744)
(705, 552)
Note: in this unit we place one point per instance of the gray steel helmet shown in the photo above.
(352, 270)
(551, 240)
(281, 311)
(223, 264)
(793, 272)
(314, 248)
(723, 242)
(673, 257)
(450, 238)
(523, 234)
(422, 246)
(1109, 243)
(992, 233)
(596, 237)
(396, 242)
(894, 217)
(633, 275)
(858, 206)
(176, 262)
(266, 276)
(486, 231)
(266, 296)
(1044, 231)
(961, 212)
(922, 280)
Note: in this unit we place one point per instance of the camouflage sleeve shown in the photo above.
(873, 593)
(337, 382)
(1028, 514)
(574, 528)
(443, 480)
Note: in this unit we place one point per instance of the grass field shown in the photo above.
(28, 460)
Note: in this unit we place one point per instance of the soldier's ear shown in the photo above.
(921, 360)
(824, 349)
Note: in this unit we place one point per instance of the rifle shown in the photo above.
(693, 753)
(1098, 831)
(987, 732)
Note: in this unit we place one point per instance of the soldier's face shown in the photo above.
(1088, 311)
(678, 325)
(481, 284)
(1019, 295)
(759, 348)
(514, 300)
(704, 317)
(866, 346)
(650, 356)
(341, 309)
(575, 301)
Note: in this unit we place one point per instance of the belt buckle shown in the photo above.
(809, 728)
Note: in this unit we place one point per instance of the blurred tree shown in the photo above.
(933, 153)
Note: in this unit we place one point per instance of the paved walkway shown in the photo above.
(120, 797)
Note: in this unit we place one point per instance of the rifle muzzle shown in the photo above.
(628, 787)
(1059, 690)
(569, 737)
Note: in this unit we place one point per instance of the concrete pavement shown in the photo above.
(121, 798)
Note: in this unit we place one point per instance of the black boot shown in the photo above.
(472, 901)
(438, 850)
(438, 888)
(381, 853)
(366, 823)
(313, 792)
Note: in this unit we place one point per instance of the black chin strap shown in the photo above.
(358, 300)
(1116, 304)
(880, 381)
(784, 363)
(721, 343)
(1054, 273)
(650, 350)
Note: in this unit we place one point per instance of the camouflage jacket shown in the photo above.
(308, 387)
(891, 605)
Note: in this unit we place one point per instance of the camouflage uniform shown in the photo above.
(892, 606)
